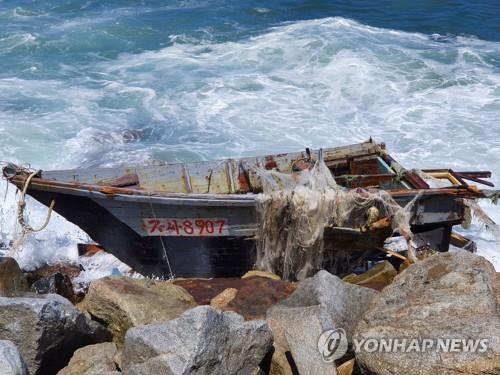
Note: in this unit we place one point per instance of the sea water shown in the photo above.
(93, 83)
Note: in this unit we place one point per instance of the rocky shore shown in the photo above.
(257, 324)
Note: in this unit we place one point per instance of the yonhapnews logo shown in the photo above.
(420, 345)
(332, 344)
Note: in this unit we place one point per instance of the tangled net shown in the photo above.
(294, 209)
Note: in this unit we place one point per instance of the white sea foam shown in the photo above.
(14, 41)
(434, 100)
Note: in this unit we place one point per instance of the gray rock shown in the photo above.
(201, 341)
(344, 302)
(320, 303)
(447, 296)
(303, 327)
(11, 362)
(47, 330)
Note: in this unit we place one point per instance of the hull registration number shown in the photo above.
(186, 227)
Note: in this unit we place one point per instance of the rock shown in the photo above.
(376, 277)
(282, 363)
(221, 300)
(450, 296)
(11, 362)
(123, 302)
(48, 270)
(204, 290)
(320, 303)
(302, 327)
(12, 280)
(497, 287)
(202, 341)
(55, 284)
(257, 295)
(258, 371)
(346, 368)
(344, 302)
(254, 297)
(47, 330)
(95, 359)
(254, 273)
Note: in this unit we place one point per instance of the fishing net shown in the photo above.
(294, 209)
(483, 218)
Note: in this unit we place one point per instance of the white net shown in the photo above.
(294, 209)
(483, 218)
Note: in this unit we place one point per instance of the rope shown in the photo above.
(162, 243)
(21, 205)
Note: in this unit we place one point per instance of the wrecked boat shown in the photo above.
(201, 219)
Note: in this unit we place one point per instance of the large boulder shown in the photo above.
(201, 341)
(320, 303)
(47, 330)
(123, 302)
(95, 359)
(297, 330)
(345, 303)
(434, 304)
(11, 362)
(12, 280)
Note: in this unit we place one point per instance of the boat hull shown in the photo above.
(116, 223)
(154, 256)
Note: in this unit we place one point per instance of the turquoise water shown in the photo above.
(102, 83)
(94, 83)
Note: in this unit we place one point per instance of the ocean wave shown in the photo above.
(16, 41)
(434, 100)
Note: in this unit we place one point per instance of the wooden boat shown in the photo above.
(199, 219)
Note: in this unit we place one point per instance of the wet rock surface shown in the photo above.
(204, 290)
(47, 330)
(122, 302)
(201, 341)
(11, 361)
(447, 296)
(257, 295)
(250, 297)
